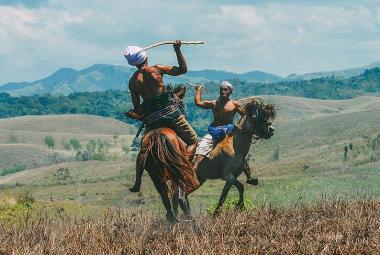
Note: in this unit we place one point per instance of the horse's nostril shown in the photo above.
(271, 129)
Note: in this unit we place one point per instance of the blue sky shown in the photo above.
(37, 37)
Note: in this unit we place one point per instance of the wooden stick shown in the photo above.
(195, 86)
(170, 42)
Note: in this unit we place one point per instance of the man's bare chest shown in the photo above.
(226, 110)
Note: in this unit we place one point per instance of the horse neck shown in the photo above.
(242, 138)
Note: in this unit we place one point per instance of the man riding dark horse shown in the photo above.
(159, 108)
(224, 110)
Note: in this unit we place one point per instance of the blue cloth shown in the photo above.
(219, 132)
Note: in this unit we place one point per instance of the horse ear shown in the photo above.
(180, 91)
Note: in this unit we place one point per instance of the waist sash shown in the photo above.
(157, 115)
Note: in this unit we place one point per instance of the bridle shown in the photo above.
(256, 113)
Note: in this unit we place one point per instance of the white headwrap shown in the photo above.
(134, 55)
(226, 84)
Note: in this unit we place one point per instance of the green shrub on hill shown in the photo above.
(49, 141)
(12, 169)
(75, 144)
(66, 144)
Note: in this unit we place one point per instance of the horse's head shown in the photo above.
(259, 118)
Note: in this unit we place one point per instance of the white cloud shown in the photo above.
(271, 36)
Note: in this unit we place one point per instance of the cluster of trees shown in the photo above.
(369, 151)
(113, 103)
(94, 148)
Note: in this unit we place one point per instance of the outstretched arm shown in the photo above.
(175, 70)
(200, 103)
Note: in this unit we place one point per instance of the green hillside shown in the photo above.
(303, 161)
(113, 103)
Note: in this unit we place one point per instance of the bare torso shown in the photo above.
(148, 82)
(224, 112)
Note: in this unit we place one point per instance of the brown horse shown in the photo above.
(166, 160)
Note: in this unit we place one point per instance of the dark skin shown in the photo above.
(147, 81)
(224, 110)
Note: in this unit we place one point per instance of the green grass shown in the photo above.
(310, 136)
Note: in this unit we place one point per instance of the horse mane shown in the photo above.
(180, 91)
(268, 110)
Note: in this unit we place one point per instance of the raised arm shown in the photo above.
(200, 103)
(175, 70)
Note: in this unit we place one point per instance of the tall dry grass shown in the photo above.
(331, 227)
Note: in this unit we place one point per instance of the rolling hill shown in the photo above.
(310, 136)
(22, 139)
(345, 73)
(67, 123)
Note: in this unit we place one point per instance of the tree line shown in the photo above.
(113, 103)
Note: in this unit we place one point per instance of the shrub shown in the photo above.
(126, 149)
(276, 154)
(12, 169)
(115, 136)
(75, 144)
(62, 174)
(25, 199)
(49, 141)
(83, 156)
(66, 145)
(91, 146)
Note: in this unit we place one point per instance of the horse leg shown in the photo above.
(139, 172)
(175, 201)
(240, 187)
(248, 173)
(184, 203)
(226, 189)
(170, 216)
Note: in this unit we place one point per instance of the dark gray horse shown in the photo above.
(166, 160)
(228, 157)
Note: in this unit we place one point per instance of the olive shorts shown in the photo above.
(180, 125)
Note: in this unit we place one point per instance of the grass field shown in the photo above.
(310, 136)
(328, 227)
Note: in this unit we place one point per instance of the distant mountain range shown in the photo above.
(345, 73)
(102, 77)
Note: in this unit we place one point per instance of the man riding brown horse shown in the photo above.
(224, 110)
(159, 108)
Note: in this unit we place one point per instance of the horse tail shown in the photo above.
(162, 149)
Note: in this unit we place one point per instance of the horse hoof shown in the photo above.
(172, 219)
(216, 213)
(240, 207)
(253, 181)
(135, 189)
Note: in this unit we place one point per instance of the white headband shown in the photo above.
(226, 84)
(134, 55)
